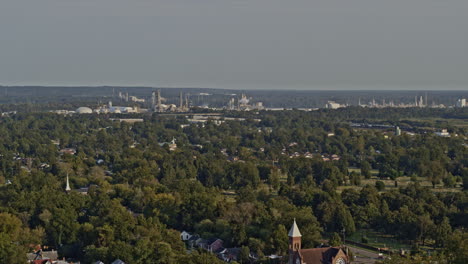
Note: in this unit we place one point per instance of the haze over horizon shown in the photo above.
(259, 44)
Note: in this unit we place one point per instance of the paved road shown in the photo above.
(363, 256)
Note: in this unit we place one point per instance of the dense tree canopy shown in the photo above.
(241, 181)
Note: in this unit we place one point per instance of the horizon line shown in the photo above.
(387, 88)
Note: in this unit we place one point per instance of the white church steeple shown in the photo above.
(67, 188)
(294, 231)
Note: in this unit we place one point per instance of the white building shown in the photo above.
(461, 102)
(185, 235)
(259, 106)
(136, 99)
(443, 133)
(84, 110)
(397, 131)
(333, 105)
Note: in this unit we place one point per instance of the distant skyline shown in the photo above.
(328, 88)
(236, 44)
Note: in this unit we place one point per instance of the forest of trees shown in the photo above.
(241, 181)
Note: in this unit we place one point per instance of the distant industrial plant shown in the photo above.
(121, 102)
(243, 104)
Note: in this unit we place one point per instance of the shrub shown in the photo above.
(380, 185)
(365, 240)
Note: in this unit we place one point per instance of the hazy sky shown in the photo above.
(300, 44)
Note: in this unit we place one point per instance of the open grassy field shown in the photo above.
(378, 240)
(448, 121)
(389, 184)
(401, 182)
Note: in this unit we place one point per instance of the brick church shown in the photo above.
(326, 255)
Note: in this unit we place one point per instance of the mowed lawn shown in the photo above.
(378, 240)
(401, 182)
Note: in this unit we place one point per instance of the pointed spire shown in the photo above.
(294, 231)
(67, 188)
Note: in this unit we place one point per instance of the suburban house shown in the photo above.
(233, 254)
(229, 254)
(185, 236)
(211, 245)
(214, 245)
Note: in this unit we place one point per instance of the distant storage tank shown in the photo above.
(84, 110)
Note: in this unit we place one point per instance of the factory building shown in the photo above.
(461, 102)
(333, 105)
(243, 104)
(84, 110)
(158, 106)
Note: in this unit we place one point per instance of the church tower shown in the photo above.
(67, 188)
(294, 241)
